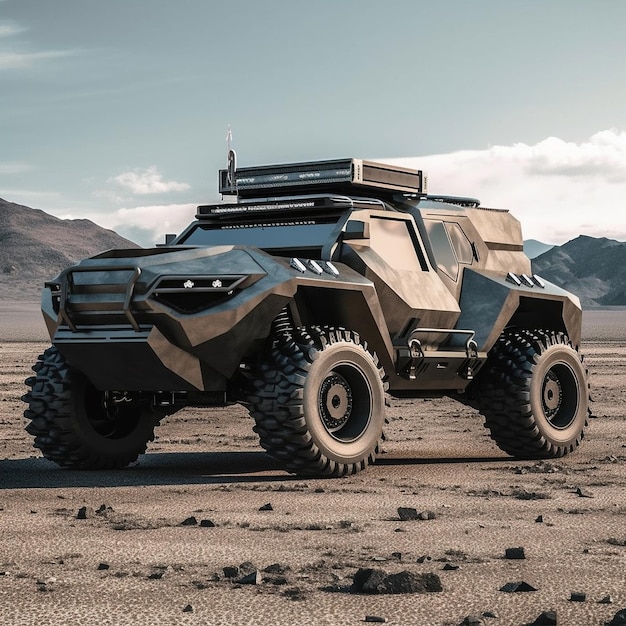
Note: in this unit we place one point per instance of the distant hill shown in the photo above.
(592, 268)
(534, 248)
(35, 247)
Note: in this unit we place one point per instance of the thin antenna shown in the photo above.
(231, 156)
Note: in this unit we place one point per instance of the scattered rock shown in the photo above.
(583, 493)
(85, 512)
(517, 587)
(608, 599)
(449, 567)
(253, 578)
(376, 619)
(547, 618)
(276, 568)
(207, 523)
(190, 521)
(377, 581)
(188, 609)
(490, 614)
(103, 566)
(266, 507)
(407, 514)
(616, 542)
(539, 519)
(427, 515)
(230, 571)
(514, 553)
(577, 596)
(424, 559)
(472, 620)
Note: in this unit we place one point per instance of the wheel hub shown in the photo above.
(552, 395)
(335, 402)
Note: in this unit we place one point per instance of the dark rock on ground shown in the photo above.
(547, 618)
(577, 596)
(190, 521)
(407, 514)
(254, 578)
(266, 507)
(516, 587)
(514, 553)
(377, 581)
(85, 512)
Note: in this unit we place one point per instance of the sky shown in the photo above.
(118, 111)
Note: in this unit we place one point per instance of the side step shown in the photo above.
(450, 366)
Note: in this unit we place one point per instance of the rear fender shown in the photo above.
(490, 303)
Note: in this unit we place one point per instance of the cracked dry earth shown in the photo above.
(206, 529)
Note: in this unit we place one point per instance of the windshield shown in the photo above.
(297, 235)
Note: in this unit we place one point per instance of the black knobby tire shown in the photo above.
(77, 426)
(534, 394)
(318, 401)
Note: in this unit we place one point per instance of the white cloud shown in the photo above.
(22, 60)
(148, 181)
(557, 189)
(9, 168)
(8, 29)
(145, 225)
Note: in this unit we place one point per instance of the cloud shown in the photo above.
(145, 225)
(9, 168)
(148, 181)
(557, 189)
(8, 29)
(23, 60)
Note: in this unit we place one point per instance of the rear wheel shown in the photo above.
(78, 426)
(534, 394)
(319, 402)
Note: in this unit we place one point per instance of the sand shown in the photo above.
(133, 561)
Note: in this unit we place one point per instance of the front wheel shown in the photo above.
(534, 394)
(80, 427)
(319, 402)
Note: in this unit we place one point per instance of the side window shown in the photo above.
(460, 243)
(450, 246)
(394, 242)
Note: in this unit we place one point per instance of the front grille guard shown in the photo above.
(66, 286)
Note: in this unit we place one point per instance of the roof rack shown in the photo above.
(334, 175)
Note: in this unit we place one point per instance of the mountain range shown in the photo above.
(35, 246)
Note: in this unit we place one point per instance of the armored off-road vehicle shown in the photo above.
(310, 294)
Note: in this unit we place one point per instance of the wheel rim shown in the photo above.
(345, 403)
(559, 396)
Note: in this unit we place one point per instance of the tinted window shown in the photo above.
(268, 236)
(460, 243)
(440, 242)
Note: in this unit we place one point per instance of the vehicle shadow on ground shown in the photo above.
(179, 468)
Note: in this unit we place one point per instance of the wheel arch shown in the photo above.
(354, 307)
(489, 304)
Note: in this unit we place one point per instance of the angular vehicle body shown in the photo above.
(315, 291)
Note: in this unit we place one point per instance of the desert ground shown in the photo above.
(206, 529)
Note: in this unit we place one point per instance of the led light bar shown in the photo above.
(340, 174)
(298, 204)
